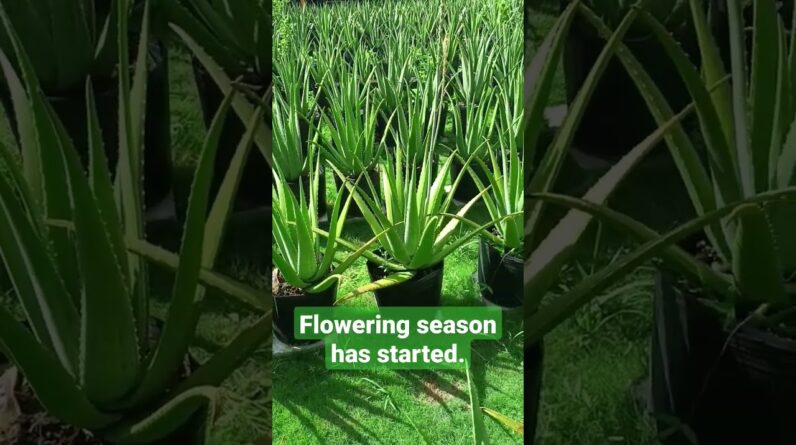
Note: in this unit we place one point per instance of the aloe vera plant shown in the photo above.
(232, 42)
(62, 56)
(237, 35)
(547, 252)
(412, 217)
(350, 143)
(743, 192)
(299, 253)
(291, 151)
(73, 246)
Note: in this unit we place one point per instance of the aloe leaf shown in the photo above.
(786, 165)
(722, 166)
(183, 311)
(179, 15)
(698, 184)
(55, 387)
(680, 259)
(166, 419)
(139, 87)
(388, 281)
(763, 94)
(243, 109)
(102, 185)
(545, 262)
(231, 357)
(506, 421)
(479, 429)
(549, 316)
(713, 70)
(325, 283)
(755, 263)
(783, 114)
(739, 87)
(553, 159)
(55, 200)
(128, 182)
(108, 345)
(225, 199)
(242, 293)
(20, 186)
(539, 81)
(28, 137)
(42, 293)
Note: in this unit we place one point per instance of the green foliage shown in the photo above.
(237, 35)
(66, 245)
(65, 41)
(743, 192)
(298, 252)
(411, 213)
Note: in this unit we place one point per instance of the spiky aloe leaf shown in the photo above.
(55, 388)
(687, 159)
(480, 436)
(506, 421)
(225, 198)
(545, 262)
(183, 311)
(109, 362)
(763, 87)
(50, 179)
(243, 109)
(173, 414)
(755, 261)
(42, 293)
(549, 316)
(128, 187)
(231, 357)
(241, 293)
(388, 281)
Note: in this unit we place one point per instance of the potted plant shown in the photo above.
(414, 128)
(391, 87)
(350, 143)
(135, 388)
(306, 272)
(549, 245)
(237, 38)
(473, 102)
(412, 222)
(291, 156)
(723, 341)
(63, 57)
(499, 271)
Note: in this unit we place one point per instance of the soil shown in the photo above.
(35, 427)
(282, 288)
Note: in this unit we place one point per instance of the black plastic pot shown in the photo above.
(285, 307)
(353, 210)
(736, 392)
(467, 188)
(253, 191)
(534, 370)
(499, 276)
(424, 289)
(71, 109)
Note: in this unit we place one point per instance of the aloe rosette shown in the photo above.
(73, 246)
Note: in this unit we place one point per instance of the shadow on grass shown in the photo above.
(304, 378)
